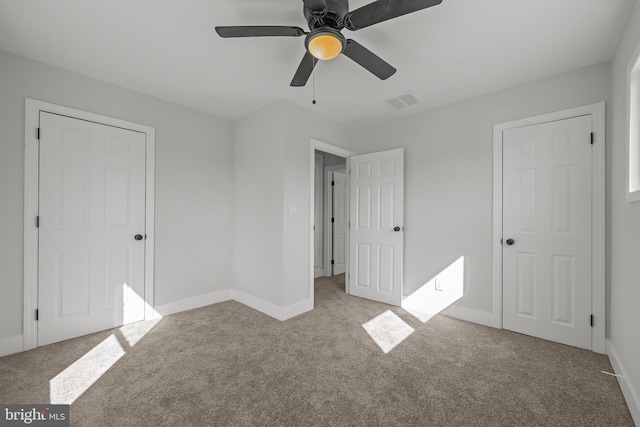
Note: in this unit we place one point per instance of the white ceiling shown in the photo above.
(169, 49)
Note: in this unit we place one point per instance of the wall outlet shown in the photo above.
(438, 284)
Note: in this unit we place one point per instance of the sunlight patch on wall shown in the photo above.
(438, 293)
(68, 385)
(134, 308)
(387, 330)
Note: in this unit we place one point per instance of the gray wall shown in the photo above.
(448, 175)
(624, 224)
(193, 181)
(272, 171)
(258, 157)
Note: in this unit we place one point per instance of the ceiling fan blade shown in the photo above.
(369, 60)
(304, 70)
(315, 5)
(259, 31)
(383, 10)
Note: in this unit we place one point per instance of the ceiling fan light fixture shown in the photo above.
(325, 45)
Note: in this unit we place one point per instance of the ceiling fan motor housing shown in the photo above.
(333, 16)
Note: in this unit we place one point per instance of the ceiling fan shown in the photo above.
(324, 40)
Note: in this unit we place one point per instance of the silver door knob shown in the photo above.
(138, 237)
(510, 242)
(396, 229)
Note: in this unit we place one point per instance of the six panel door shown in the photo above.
(547, 231)
(377, 220)
(92, 204)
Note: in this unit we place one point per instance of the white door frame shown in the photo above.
(331, 149)
(598, 306)
(328, 210)
(32, 119)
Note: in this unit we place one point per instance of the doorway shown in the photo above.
(319, 250)
(375, 236)
(541, 304)
(69, 154)
(330, 216)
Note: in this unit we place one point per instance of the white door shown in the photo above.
(547, 231)
(92, 204)
(340, 223)
(377, 220)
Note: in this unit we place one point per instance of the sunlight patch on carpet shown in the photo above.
(69, 384)
(133, 332)
(387, 330)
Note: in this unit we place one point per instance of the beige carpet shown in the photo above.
(229, 365)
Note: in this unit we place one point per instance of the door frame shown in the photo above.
(598, 289)
(33, 108)
(314, 145)
(328, 210)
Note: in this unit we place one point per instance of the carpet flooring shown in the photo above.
(229, 365)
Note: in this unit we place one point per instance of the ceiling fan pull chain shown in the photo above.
(314, 81)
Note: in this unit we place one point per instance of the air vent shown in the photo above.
(403, 100)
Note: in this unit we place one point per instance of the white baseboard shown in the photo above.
(270, 309)
(296, 309)
(11, 345)
(194, 302)
(469, 315)
(256, 303)
(628, 391)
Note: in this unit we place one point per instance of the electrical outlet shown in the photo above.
(438, 285)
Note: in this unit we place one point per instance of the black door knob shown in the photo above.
(510, 242)
(138, 237)
(396, 228)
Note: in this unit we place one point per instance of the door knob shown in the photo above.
(138, 237)
(396, 228)
(510, 242)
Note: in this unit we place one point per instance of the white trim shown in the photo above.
(469, 315)
(11, 345)
(296, 309)
(598, 309)
(629, 393)
(32, 119)
(314, 145)
(632, 196)
(193, 302)
(256, 303)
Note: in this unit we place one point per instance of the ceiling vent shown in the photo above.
(403, 100)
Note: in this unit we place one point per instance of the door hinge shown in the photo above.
(592, 137)
(332, 262)
(333, 183)
(38, 221)
(591, 320)
(38, 133)
(37, 314)
(333, 220)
